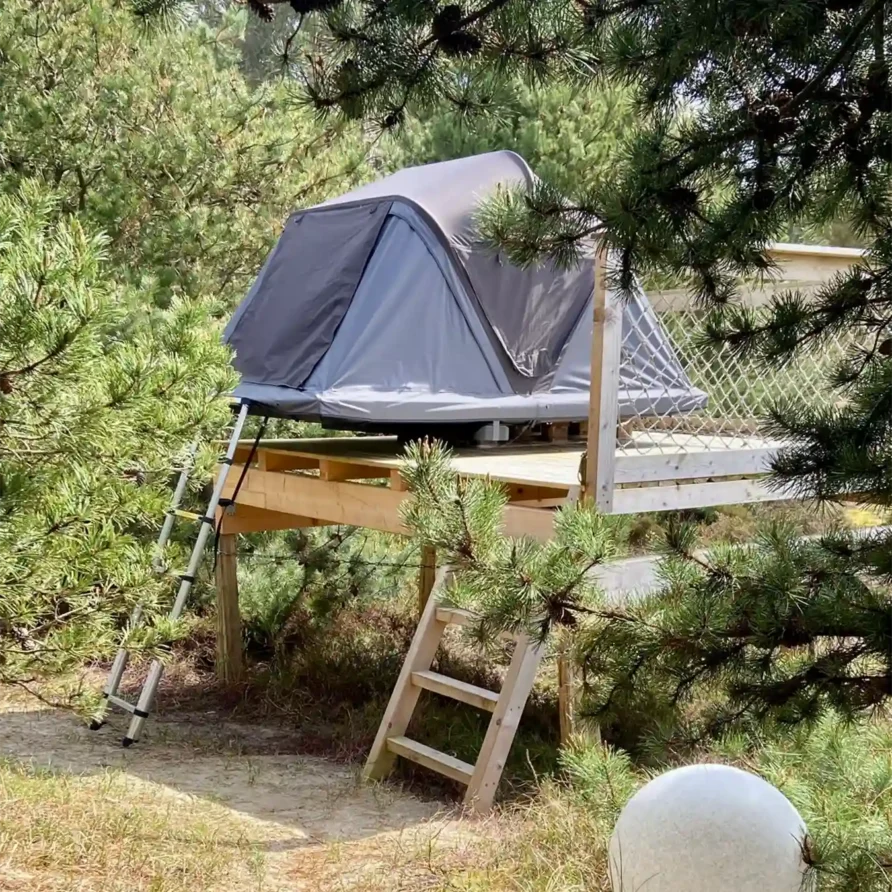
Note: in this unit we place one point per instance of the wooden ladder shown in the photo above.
(482, 778)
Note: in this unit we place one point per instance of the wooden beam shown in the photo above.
(692, 465)
(503, 726)
(694, 495)
(358, 504)
(330, 469)
(248, 519)
(604, 393)
(524, 493)
(230, 659)
(405, 694)
(426, 575)
(325, 501)
(397, 481)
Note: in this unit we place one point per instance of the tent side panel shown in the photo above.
(304, 292)
(404, 331)
(532, 311)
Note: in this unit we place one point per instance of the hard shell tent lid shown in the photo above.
(383, 307)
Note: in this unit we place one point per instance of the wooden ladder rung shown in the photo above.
(431, 758)
(455, 616)
(457, 690)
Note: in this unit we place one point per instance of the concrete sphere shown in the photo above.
(708, 828)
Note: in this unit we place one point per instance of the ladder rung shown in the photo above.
(457, 690)
(455, 616)
(431, 758)
(186, 515)
(123, 704)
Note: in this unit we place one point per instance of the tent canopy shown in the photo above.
(383, 307)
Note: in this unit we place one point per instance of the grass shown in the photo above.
(106, 833)
(326, 690)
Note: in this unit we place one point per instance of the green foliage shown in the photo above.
(837, 776)
(776, 632)
(156, 138)
(292, 586)
(513, 584)
(566, 135)
(91, 426)
(142, 183)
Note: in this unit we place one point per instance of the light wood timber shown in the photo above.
(604, 392)
(427, 573)
(230, 660)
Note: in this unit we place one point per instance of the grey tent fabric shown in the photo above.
(381, 308)
(305, 289)
(371, 348)
(532, 330)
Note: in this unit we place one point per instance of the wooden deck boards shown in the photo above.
(683, 456)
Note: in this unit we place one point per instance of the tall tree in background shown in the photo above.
(157, 139)
(568, 136)
(752, 113)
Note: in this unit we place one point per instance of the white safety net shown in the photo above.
(736, 393)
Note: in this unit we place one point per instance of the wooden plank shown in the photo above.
(567, 693)
(693, 495)
(397, 481)
(402, 701)
(537, 523)
(691, 465)
(357, 504)
(430, 758)
(527, 494)
(604, 392)
(503, 725)
(648, 456)
(427, 573)
(248, 519)
(329, 469)
(230, 664)
(326, 501)
(456, 690)
(455, 616)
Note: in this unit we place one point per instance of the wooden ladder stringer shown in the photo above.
(506, 706)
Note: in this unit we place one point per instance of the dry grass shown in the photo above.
(105, 832)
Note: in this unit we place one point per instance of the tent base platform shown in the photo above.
(338, 480)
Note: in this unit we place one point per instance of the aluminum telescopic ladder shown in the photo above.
(207, 521)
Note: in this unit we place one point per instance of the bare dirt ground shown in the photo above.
(313, 823)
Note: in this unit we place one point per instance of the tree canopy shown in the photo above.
(142, 183)
(750, 114)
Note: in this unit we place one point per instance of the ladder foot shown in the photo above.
(127, 741)
(96, 724)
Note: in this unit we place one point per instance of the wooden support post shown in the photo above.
(426, 576)
(566, 694)
(230, 660)
(604, 393)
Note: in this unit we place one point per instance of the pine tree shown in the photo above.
(567, 135)
(90, 426)
(752, 114)
(142, 182)
(156, 138)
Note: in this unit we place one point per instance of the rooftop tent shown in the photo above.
(382, 309)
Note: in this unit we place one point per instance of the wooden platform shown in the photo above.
(357, 480)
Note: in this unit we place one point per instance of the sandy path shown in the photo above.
(313, 818)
